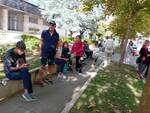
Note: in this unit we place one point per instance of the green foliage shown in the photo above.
(90, 41)
(101, 31)
(115, 89)
(138, 11)
(32, 42)
(34, 29)
(117, 50)
(68, 39)
(3, 50)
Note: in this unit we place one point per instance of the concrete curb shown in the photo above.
(70, 104)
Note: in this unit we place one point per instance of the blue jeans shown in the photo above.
(24, 75)
(61, 63)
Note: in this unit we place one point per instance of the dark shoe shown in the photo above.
(28, 97)
(80, 71)
(48, 80)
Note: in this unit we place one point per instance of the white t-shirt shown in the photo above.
(59, 52)
(109, 46)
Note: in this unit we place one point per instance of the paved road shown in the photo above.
(52, 98)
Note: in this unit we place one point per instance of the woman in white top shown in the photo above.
(59, 60)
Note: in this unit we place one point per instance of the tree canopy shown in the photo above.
(124, 10)
(68, 15)
(130, 17)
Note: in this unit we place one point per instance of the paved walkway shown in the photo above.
(52, 98)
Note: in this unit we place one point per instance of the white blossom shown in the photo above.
(67, 16)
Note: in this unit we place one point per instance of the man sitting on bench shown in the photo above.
(16, 68)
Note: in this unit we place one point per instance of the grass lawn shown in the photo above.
(115, 89)
(33, 64)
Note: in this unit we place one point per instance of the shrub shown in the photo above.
(90, 41)
(3, 50)
(68, 39)
(32, 42)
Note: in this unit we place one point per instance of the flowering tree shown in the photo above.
(68, 15)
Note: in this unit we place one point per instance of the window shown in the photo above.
(33, 20)
(15, 21)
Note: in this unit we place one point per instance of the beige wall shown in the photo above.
(24, 23)
(5, 19)
(0, 18)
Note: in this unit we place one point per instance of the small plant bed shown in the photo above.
(115, 89)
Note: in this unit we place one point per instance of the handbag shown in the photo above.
(138, 60)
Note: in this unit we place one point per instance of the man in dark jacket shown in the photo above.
(16, 68)
(49, 41)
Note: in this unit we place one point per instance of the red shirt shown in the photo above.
(78, 49)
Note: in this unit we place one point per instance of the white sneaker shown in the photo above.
(59, 75)
(64, 77)
(92, 66)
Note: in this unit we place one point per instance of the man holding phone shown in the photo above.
(16, 68)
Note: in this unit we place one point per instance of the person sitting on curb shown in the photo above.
(16, 68)
(60, 61)
(66, 54)
(87, 50)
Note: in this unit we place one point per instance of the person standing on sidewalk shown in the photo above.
(143, 61)
(109, 48)
(78, 51)
(48, 45)
(16, 68)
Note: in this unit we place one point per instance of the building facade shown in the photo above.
(19, 16)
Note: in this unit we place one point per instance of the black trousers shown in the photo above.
(89, 54)
(78, 63)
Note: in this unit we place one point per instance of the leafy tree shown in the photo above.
(131, 16)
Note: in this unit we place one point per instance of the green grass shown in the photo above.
(115, 89)
(33, 64)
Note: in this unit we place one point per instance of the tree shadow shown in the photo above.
(114, 90)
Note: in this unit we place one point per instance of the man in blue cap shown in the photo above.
(49, 40)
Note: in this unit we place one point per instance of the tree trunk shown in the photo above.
(122, 42)
(123, 52)
(144, 106)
